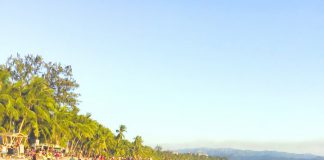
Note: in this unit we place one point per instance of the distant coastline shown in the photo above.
(237, 154)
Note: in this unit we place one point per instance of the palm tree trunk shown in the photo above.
(21, 125)
(9, 124)
(76, 144)
(72, 144)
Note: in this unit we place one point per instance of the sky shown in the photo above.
(186, 73)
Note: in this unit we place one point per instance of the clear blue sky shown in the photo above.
(184, 71)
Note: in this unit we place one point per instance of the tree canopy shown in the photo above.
(38, 99)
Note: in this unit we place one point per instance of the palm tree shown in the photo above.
(137, 152)
(35, 102)
(7, 104)
(120, 131)
(84, 128)
(101, 141)
(120, 136)
(62, 121)
(158, 148)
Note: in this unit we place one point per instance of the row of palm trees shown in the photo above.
(31, 109)
(38, 99)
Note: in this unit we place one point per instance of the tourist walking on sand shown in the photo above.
(10, 151)
(56, 155)
(34, 155)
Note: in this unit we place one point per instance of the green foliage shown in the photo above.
(59, 77)
(37, 98)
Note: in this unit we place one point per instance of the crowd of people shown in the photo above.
(7, 152)
(50, 153)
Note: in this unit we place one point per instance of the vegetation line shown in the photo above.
(38, 99)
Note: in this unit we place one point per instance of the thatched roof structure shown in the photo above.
(13, 139)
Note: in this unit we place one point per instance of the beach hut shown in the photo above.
(15, 140)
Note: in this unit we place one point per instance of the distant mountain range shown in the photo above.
(235, 154)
